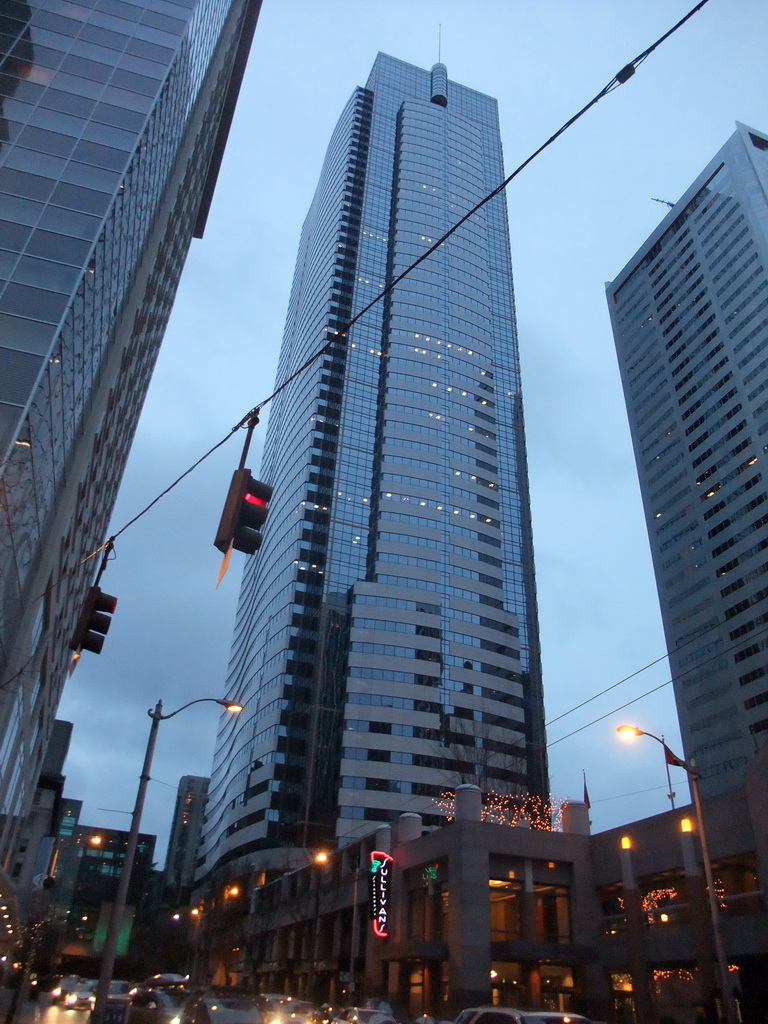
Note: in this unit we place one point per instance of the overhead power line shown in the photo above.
(618, 79)
(717, 654)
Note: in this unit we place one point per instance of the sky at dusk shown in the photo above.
(577, 215)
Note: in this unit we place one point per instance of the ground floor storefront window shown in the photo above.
(532, 984)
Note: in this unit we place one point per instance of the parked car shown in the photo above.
(508, 1015)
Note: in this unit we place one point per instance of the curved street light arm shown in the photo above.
(158, 716)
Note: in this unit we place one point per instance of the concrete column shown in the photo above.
(409, 826)
(635, 925)
(576, 818)
(469, 921)
(532, 977)
(528, 923)
(432, 1003)
(528, 933)
(384, 836)
(468, 803)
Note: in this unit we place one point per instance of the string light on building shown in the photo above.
(514, 811)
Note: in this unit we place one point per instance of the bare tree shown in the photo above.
(472, 754)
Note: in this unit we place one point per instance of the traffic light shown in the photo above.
(244, 513)
(94, 622)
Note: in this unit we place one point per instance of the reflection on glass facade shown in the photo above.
(113, 114)
(690, 320)
(386, 642)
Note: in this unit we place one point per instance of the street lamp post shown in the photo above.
(729, 1009)
(319, 861)
(352, 985)
(121, 895)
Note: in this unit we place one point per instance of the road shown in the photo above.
(39, 1011)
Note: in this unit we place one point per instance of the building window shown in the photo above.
(505, 910)
(553, 918)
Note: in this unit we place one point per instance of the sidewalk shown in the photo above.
(29, 1012)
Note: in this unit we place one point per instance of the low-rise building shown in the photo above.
(615, 925)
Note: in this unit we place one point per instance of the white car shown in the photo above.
(80, 995)
(508, 1015)
(279, 1009)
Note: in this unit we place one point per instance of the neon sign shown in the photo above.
(380, 878)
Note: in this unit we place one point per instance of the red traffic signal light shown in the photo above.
(245, 511)
(94, 622)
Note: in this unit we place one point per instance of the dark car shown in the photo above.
(156, 1004)
(223, 1008)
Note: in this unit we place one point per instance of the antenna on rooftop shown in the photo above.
(664, 202)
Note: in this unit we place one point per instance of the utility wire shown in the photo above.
(698, 665)
(619, 79)
(667, 654)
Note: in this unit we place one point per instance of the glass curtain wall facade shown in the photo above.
(386, 641)
(113, 115)
(690, 321)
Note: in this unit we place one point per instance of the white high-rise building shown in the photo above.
(690, 320)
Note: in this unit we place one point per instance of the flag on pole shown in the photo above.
(670, 758)
(586, 791)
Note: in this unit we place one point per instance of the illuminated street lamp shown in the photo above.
(319, 860)
(729, 1008)
(118, 906)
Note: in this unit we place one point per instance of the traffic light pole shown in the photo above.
(247, 443)
(121, 896)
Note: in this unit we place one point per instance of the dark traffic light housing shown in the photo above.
(244, 513)
(94, 622)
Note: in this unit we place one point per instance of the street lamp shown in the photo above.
(319, 861)
(118, 906)
(630, 732)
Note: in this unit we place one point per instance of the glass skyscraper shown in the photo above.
(386, 644)
(113, 118)
(690, 320)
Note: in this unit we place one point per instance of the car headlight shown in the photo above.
(56, 993)
(71, 998)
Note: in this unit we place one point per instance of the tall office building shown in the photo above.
(386, 643)
(179, 873)
(690, 319)
(113, 118)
